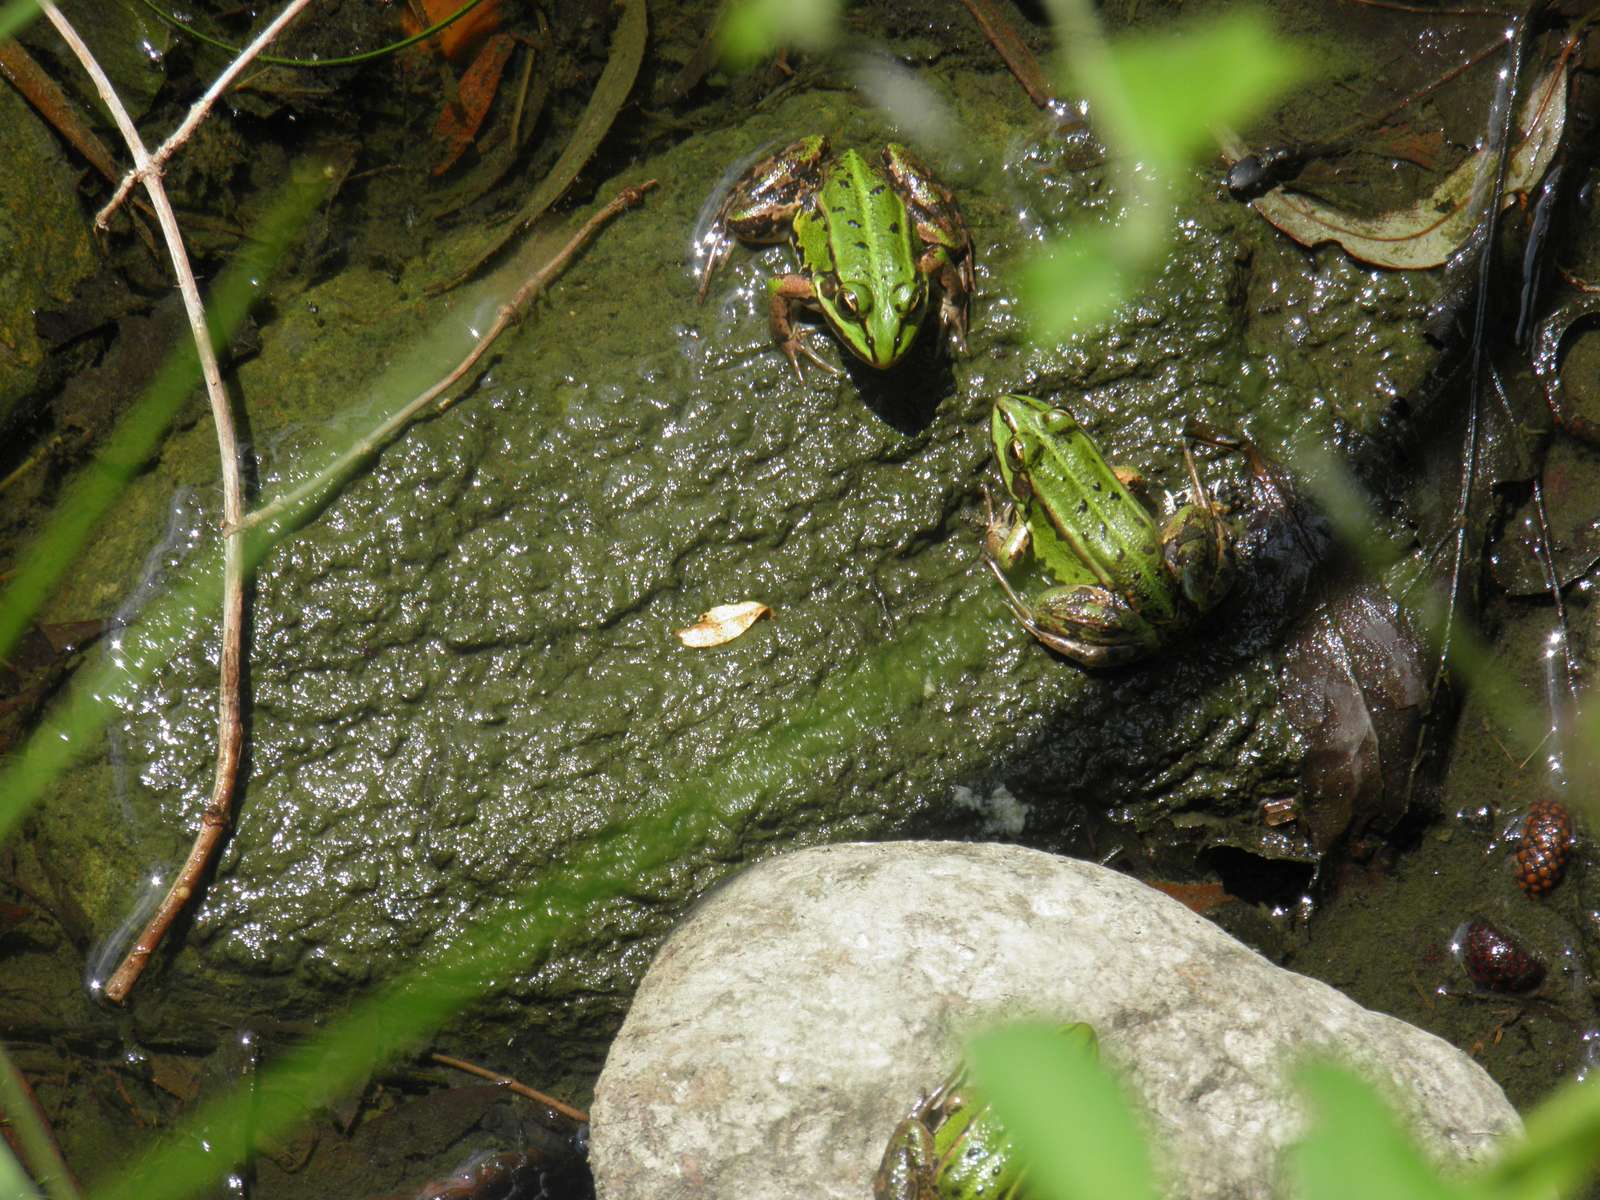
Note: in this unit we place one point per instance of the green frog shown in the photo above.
(1126, 586)
(952, 1147)
(873, 240)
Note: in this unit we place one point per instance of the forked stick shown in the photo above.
(230, 731)
(157, 161)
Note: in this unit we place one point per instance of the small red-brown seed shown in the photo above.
(1543, 847)
(1494, 960)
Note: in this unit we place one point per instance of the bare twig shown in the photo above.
(29, 78)
(216, 816)
(1003, 37)
(331, 475)
(158, 161)
(521, 1089)
(230, 731)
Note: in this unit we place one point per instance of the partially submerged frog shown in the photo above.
(1126, 586)
(873, 241)
(953, 1147)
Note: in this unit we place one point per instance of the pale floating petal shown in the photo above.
(1432, 229)
(722, 623)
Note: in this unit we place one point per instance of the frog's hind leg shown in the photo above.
(955, 293)
(765, 229)
(1090, 625)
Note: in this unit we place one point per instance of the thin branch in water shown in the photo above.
(230, 730)
(1004, 38)
(506, 1081)
(215, 819)
(158, 161)
(303, 494)
(64, 116)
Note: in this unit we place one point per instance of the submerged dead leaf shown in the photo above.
(722, 624)
(461, 119)
(610, 94)
(1431, 230)
(1199, 897)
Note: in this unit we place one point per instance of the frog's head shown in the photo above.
(878, 326)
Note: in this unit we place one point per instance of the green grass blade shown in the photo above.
(130, 445)
(1066, 1113)
(17, 15)
(1560, 1151)
(1357, 1147)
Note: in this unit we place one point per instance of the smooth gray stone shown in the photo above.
(793, 1019)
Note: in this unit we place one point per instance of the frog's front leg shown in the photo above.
(907, 1171)
(786, 291)
(1005, 536)
(1090, 625)
(1197, 547)
(955, 295)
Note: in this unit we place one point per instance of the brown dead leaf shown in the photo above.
(1422, 147)
(175, 1075)
(1201, 897)
(1428, 232)
(722, 624)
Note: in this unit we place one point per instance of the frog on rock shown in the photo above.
(1126, 586)
(874, 241)
(953, 1147)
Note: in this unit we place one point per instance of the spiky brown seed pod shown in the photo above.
(1544, 847)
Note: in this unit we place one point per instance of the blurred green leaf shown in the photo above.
(1154, 99)
(1559, 1152)
(1176, 85)
(1066, 1113)
(14, 1182)
(1076, 282)
(1357, 1147)
(753, 30)
(17, 15)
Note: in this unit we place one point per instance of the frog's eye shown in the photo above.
(905, 299)
(1057, 420)
(856, 303)
(1017, 455)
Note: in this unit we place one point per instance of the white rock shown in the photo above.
(797, 1014)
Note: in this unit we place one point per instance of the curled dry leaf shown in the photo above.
(1432, 229)
(722, 623)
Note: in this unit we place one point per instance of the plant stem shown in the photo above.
(158, 161)
(230, 731)
(20, 1114)
(297, 498)
(521, 1089)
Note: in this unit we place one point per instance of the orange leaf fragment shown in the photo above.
(1201, 897)
(722, 624)
(459, 122)
(456, 40)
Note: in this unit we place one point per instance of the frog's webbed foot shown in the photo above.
(787, 291)
(795, 345)
(955, 292)
(1005, 536)
(953, 319)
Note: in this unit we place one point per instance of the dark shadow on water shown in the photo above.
(907, 395)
